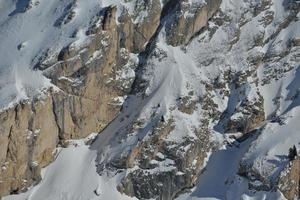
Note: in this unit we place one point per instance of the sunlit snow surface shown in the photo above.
(73, 176)
(25, 36)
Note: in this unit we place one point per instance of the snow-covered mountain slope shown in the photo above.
(30, 30)
(212, 110)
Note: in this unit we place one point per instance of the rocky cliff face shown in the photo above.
(27, 143)
(89, 85)
(166, 84)
(86, 101)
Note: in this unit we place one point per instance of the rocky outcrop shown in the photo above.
(289, 180)
(189, 19)
(27, 143)
(136, 31)
(248, 116)
(88, 78)
(161, 169)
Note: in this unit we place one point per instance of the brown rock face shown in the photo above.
(27, 143)
(290, 179)
(189, 19)
(135, 33)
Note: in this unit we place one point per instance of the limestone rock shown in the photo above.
(28, 141)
